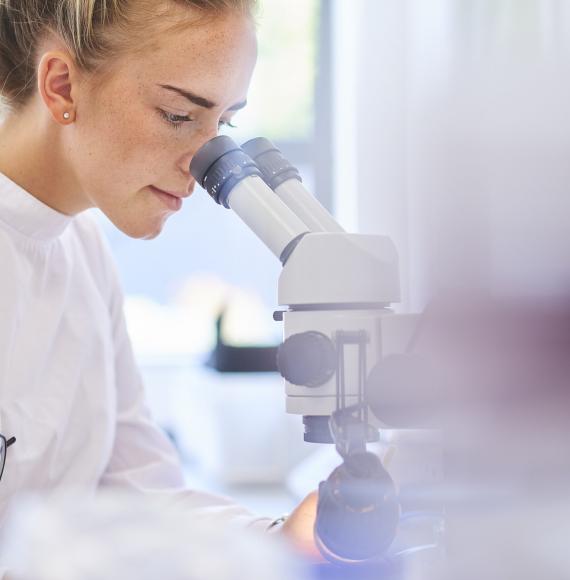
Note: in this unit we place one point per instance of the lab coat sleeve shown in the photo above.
(143, 459)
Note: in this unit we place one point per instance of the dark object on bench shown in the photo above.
(226, 358)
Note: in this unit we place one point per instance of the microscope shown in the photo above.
(487, 374)
(336, 290)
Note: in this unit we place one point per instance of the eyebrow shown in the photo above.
(201, 101)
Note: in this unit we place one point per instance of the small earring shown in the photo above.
(66, 115)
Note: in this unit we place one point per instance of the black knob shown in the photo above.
(307, 359)
(358, 511)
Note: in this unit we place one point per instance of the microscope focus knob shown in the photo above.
(307, 359)
(358, 511)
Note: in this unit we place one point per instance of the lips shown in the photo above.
(172, 193)
(173, 201)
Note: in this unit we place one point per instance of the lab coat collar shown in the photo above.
(25, 213)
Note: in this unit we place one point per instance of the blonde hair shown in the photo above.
(93, 30)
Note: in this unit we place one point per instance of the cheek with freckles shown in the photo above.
(123, 136)
(120, 150)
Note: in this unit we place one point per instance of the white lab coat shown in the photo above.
(70, 391)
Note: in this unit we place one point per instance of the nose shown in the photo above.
(197, 141)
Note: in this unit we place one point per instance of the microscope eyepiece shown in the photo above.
(233, 180)
(219, 165)
(273, 165)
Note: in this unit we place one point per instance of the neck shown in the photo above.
(32, 154)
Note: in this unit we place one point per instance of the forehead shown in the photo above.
(213, 56)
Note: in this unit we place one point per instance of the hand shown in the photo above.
(298, 528)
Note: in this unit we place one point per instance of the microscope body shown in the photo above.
(340, 286)
(434, 384)
(336, 290)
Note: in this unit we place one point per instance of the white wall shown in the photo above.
(459, 130)
(370, 164)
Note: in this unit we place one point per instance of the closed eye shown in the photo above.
(174, 120)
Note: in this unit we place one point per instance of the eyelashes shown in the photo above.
(177, 121)
(229, 124)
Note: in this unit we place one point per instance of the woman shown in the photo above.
(106, 103)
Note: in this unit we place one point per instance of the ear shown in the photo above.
(57, 74)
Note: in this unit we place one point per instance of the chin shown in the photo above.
(149, 236)
(141, 230)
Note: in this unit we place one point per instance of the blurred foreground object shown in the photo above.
(494, 374)
(119, 536)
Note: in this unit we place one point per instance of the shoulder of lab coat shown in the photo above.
(143, 459)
